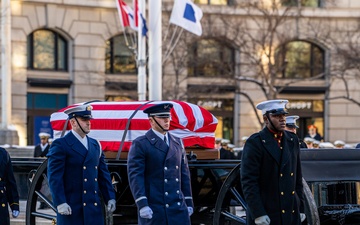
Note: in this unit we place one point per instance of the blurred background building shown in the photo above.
(306, 51)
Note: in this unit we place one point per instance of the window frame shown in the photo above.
(195, 65)
(282, 65)
(211, 2)
(31, 52)
(299, 3)
(111, 70)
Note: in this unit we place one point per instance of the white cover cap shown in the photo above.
(277, 106)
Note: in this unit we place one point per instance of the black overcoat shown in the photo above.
(271, 178)
(38, 152)
(159, 177)
(8, 190)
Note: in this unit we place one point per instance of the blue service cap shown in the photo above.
(83, 111)
(159, 110)
(291, 121)
(275, 107)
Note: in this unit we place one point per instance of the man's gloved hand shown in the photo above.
(111, 206)
(146, 212)
(262, 220)
(64, 209)
(15, 213)
(302, 217)
(190, 210)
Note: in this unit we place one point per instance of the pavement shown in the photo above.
(20, 220)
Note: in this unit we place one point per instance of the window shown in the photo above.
(47, 50)
(119, 57)
(299, 59)
(46, 101)
(39, 108)
(211, 58)
(212, 2)
(305, 3)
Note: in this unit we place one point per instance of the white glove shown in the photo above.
(146, 212)
(111, 206)
(262, 220)
(15, 213)
(190, 210)
(302, 217)
(64, 209)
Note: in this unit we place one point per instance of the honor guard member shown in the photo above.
(309, 142)
(270, 172)
(291, 126)
(316, 144)
(339, 144)
(42, 149)
(158, 173)
(218, 143)
(326, 144)
(78, 175)
(8, 190)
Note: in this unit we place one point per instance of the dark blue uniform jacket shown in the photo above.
(8, 190)
(159, 177)
(77, 176)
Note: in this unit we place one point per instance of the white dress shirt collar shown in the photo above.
(83, 140)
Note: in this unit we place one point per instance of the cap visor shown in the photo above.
(161, 115)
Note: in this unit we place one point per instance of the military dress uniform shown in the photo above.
(271, 177)
(291, 123)
(78, 176)
(38, 152)
(159, 177)
(40, 149)
(8, 190)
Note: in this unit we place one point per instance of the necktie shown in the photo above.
(165, 140)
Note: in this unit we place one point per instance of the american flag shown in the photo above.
(193, 124)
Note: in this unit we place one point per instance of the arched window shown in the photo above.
(211, 58)
(119, 57)
(306, 3)
(47, 50)
(300, 59)
(213, 2)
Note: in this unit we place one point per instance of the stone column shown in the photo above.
(7, 135)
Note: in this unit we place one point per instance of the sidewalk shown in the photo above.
(39, 221)
(21, 218)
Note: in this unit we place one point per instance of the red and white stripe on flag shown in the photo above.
(136, 12)
(123, 14)
(193, 124)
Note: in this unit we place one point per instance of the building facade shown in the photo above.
(65, 52)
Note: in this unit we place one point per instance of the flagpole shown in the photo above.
(141, 53)
(6, 105)
(155, 50)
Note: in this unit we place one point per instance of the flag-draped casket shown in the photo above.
(193, 124)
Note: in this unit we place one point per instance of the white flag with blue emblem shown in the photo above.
(187, 15)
